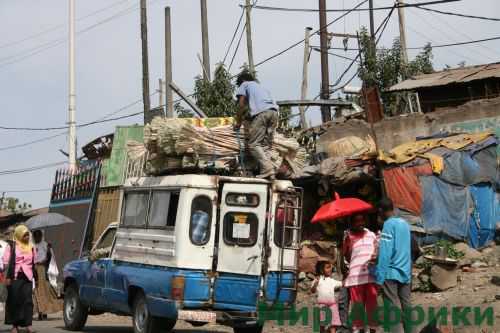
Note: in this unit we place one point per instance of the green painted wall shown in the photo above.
(114, 167)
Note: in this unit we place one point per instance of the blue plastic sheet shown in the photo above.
(445, 208)
(485, 215)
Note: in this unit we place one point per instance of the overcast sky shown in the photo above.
(33, 72)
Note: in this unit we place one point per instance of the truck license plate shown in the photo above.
(201, 316)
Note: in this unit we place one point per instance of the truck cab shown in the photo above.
(197, 248)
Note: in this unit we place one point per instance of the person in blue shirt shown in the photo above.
(393, 269)
(262, 116)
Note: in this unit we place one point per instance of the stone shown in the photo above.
(479, 264)
(444, 277)
(302, 276)
(420, 261)
(469, 253)
(424, 278)
(495, 280)
(487, 250)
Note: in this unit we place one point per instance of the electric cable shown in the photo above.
(31, 169)
(234, 35)
(457, 14)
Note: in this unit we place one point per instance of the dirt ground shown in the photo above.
(474, 289)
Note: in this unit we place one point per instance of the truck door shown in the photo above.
(92, 291)
(242, 223)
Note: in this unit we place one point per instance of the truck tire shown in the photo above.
(144, 322)
(249, 329)
(74, 313)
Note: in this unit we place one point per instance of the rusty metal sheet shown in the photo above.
(450, 76)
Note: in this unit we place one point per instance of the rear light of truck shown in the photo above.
(177, 292)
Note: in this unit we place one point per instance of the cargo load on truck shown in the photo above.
(174, 145)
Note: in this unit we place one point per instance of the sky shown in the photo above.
(34, 62)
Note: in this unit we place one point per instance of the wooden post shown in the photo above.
(305, 69)
(248, 29)
(204, 39)
(145, 64)
(168, 64)
(325, 80)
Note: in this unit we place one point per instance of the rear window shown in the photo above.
(136, 208)
(163, 210)
(201, 217)
(240, 228)
(242, 199)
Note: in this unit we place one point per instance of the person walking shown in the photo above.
(393, 270)
(358, 249)
(46, 301)
(18, 259)
(262, 116)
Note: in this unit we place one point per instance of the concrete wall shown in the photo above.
(474, 116)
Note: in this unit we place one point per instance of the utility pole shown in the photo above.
(305, 74)
(248, 28)
(402, 31)
(145, 63)
(160, 93)
(72, 96)
(204, 39)
(325, 82)
(168, 64)
(372, 22)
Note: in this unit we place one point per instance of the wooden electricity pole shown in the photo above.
(204, 39)
(248, 28)
(305, 74)
(402, 31)
(145, 64)
(168, 64)
(325, 82)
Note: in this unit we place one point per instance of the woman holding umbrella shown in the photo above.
(45, 296)
(18, 259)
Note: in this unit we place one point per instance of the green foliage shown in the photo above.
(183, 112)
(215, 98)
(384, 67)
(13, 205)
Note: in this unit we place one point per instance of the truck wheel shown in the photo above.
(145, 323)
(74, 313)
(248, 329)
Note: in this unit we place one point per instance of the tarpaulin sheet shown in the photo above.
(484, 217)
(461, 169)
(445, 207)
(403, 187)
(408, 151)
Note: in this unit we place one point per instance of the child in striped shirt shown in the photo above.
(359, 250)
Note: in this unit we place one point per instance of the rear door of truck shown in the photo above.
(242, 221)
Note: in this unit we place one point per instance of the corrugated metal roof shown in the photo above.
(443, 78)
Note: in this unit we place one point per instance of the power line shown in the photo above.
(314, 10)
(234, 35)
(315, 32)
(31, 169)
(317, 49)
(59, 26)
(51, 44)
(27, 191)
(32, 142)
(458, 14)
(237, 47)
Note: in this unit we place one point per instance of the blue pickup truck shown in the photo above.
(203, 249)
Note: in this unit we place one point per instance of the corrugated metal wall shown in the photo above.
(107, 210)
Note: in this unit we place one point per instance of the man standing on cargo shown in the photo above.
(262, 116)
(393, 270)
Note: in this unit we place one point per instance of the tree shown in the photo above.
(13, 205)
(384, 68)
(182, 112)
(215, 98)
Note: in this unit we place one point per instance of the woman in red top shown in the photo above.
(19, 274)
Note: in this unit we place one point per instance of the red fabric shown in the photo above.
(403, 187)
(340, 208)
(365, 295)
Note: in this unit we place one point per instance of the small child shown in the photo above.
(325, 286)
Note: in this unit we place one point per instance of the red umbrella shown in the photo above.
(340, 208)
